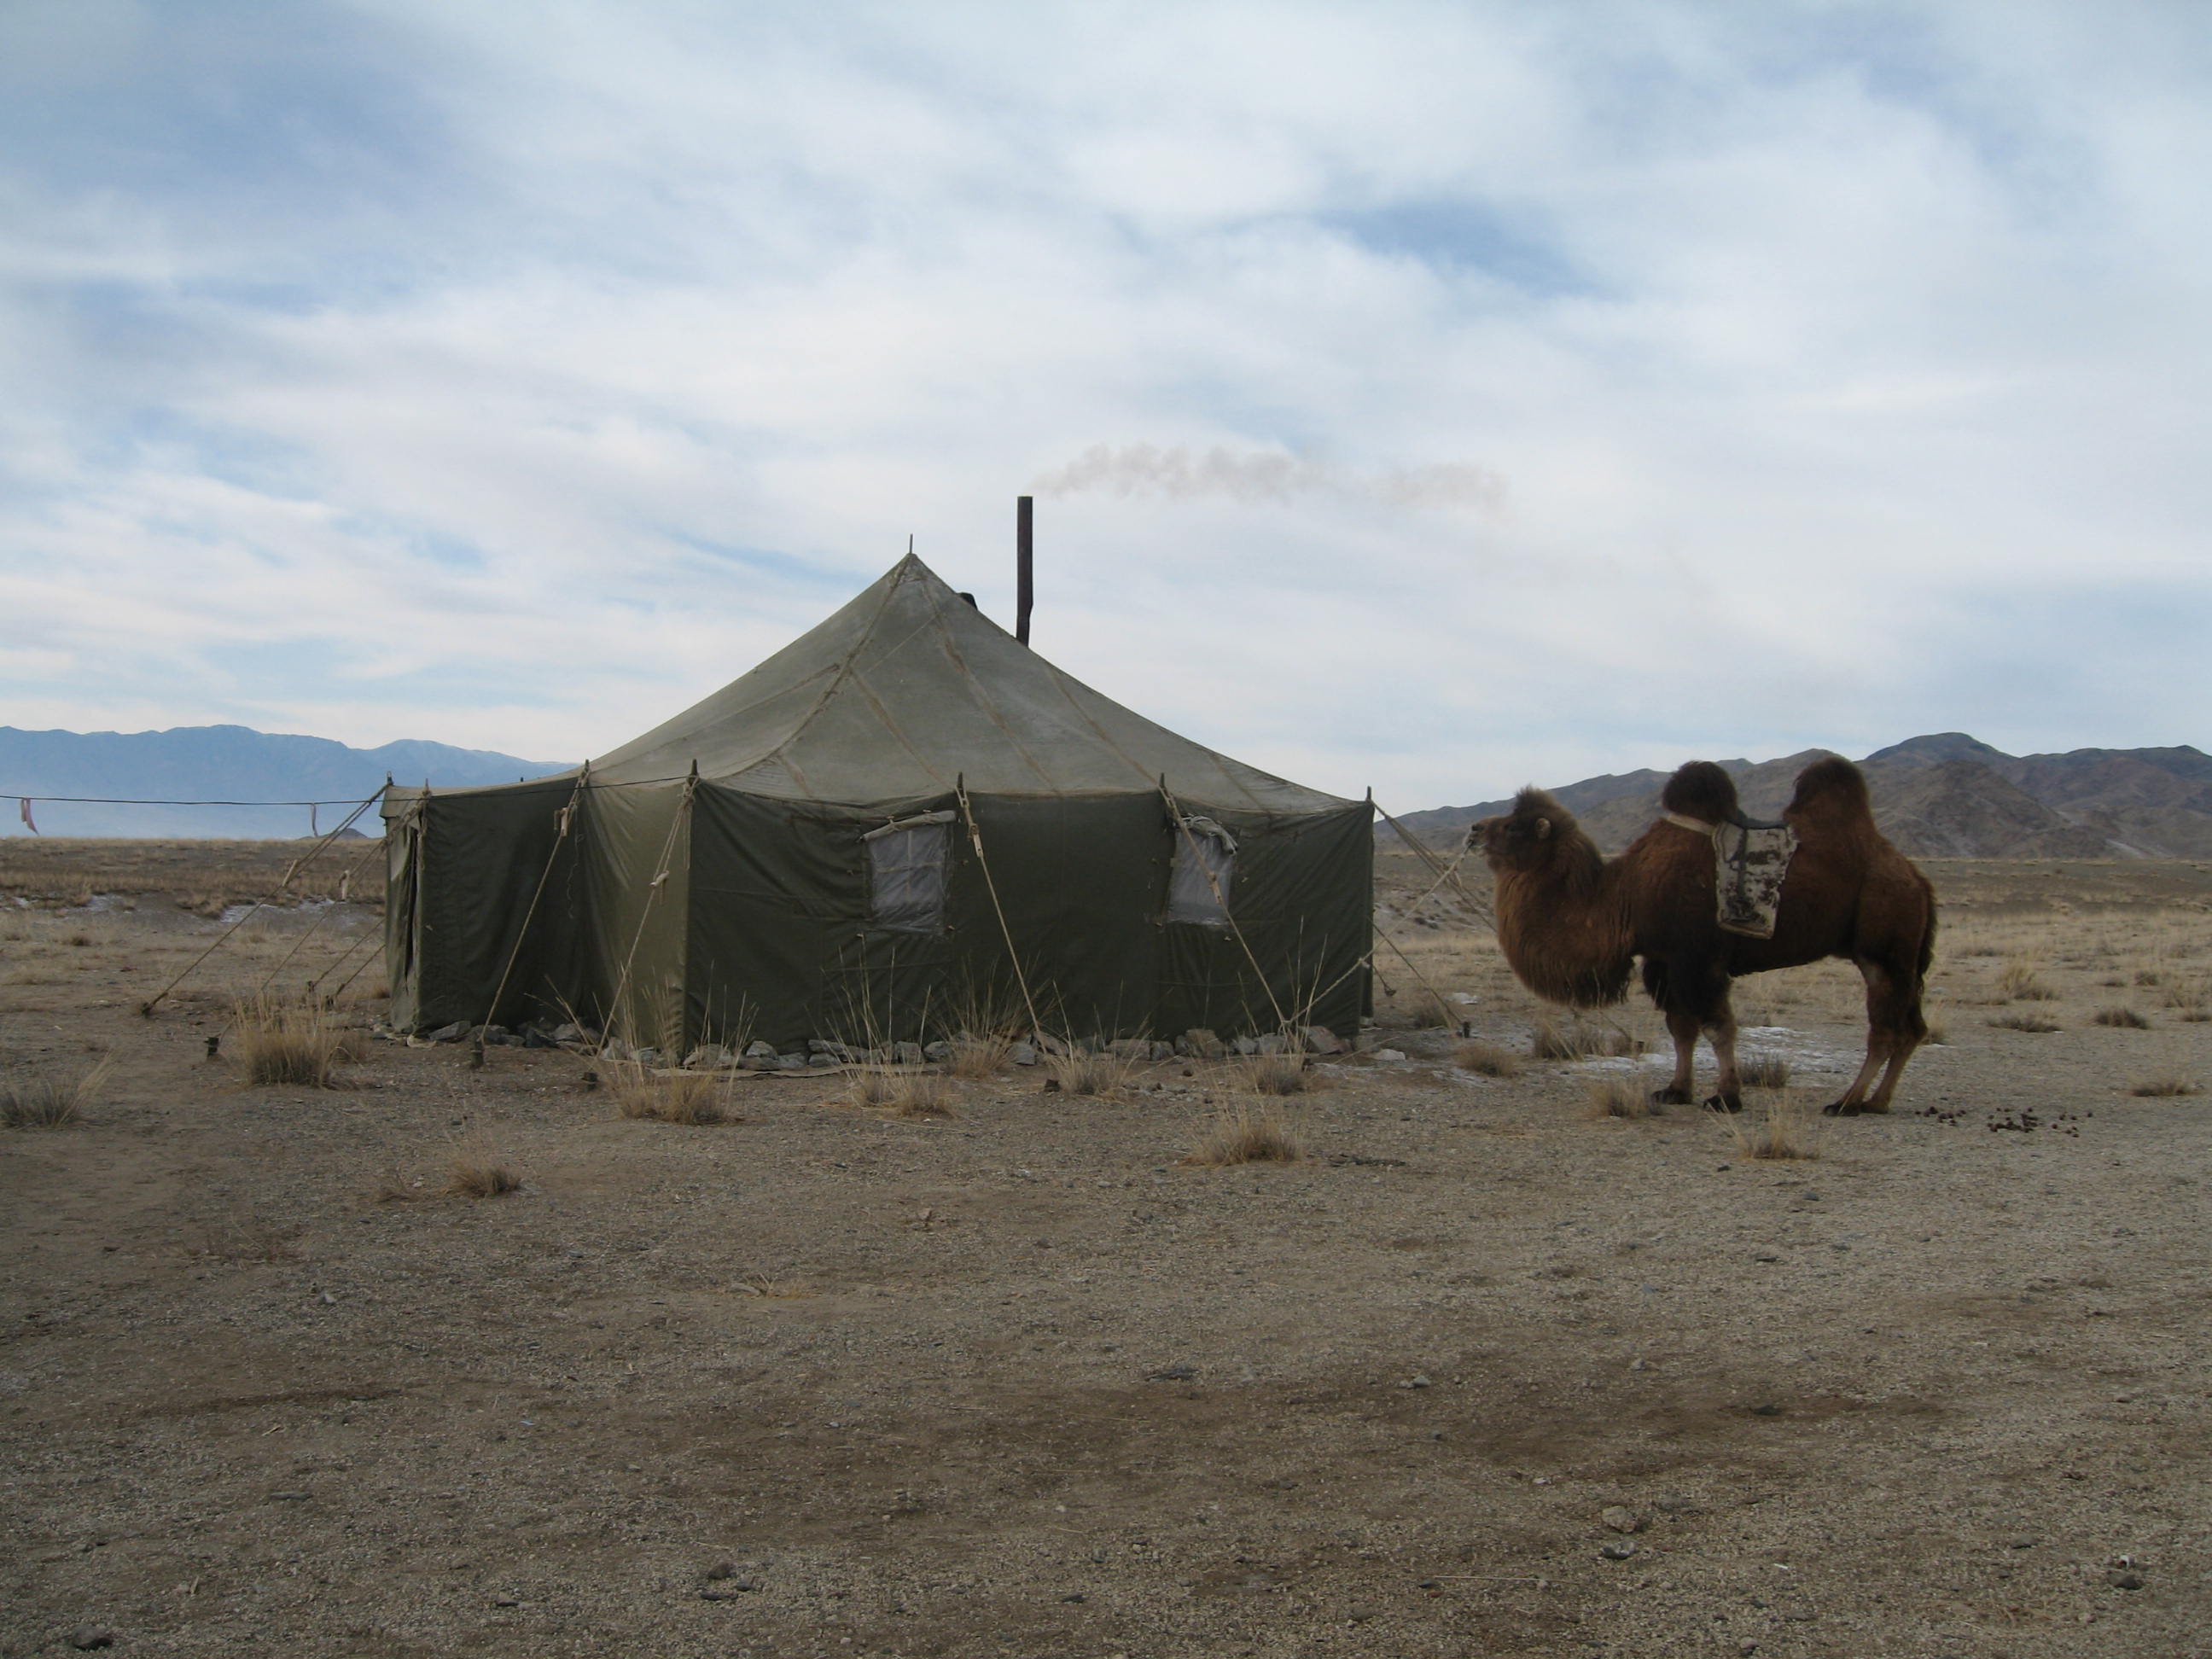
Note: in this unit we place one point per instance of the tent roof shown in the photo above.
(909, 688)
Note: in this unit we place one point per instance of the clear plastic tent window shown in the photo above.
(907, 863)
(1205, 865)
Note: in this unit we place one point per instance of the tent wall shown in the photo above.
(461, 872)
(781, 945)
(636, 855)
(1303, 899)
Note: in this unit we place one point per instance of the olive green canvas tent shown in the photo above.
(901, 815)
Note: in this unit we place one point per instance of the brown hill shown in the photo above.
(1945, 795)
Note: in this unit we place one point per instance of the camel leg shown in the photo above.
(1683, 1028)
(1894, 1030)
(1727, 1093)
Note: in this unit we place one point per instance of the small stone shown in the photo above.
(1416, 1381)
(1172, 1374)
(1245, 1045)
(790, 1062)
(1272, 1042)
(505, 1602)
(1160, 1051)
(452, 1033)
(1766, 1410)
(568, 1031)
(1022, 1054)
(1076, 1597)
(937, 1053)
(1321, 1039)
(1360, 1612)
(2123, 1578)
(1618, 1550)
(819, 1061)
(905, 1054)
(1389, 1053)
(721, 1571)
(1200, 1043)
(532, 1038)
(760, 1049)
(1621, 1519)
(1764, 1256)
(85, 1637)
(707, 1057)
(1797, 1612)
(1130, 1048)
(289, 1497)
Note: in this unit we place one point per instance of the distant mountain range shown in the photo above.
(220, 763)
(1944, 796)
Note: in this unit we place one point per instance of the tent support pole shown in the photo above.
(976, 840)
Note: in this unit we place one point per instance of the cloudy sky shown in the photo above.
(1436, 397)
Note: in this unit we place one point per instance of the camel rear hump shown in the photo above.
(1831, 790)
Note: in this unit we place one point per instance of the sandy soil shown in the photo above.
(829, 1381)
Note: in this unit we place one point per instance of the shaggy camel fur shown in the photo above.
(1572, 922)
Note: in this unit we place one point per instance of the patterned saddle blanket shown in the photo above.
(1749, 862)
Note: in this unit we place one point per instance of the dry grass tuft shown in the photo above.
(2124, 1018)
(760, 1284)
(282, 1042)
(2189, 996)
(1246, 1134)
(2166, 1087)
(479, 1174)
(974, 1056)
(1422, 1008)
(1485, 1059)
(2024, 1022)
(900, 1091)
(1619, 1097)
(44, 1102)
(1789, 1129)
(1581, 1039)
(2023, 982)
(1763, 1071)
(1274, 1074)
(1079, 1073)
(695, 1098)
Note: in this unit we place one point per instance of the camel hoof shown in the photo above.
(1724, 1103)
(1670, 1096)
(1841, 1109)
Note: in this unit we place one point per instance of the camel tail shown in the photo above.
(1701, 789)
(1832, 789)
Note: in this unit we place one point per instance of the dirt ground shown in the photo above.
(1019, 1381)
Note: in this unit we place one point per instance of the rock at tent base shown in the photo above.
(1022, 1054)
(452, 1033)
(905, 1054)
(1202, 1044)
(937, 1053)
(1321, 1039)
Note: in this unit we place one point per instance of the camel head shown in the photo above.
(1528, 836)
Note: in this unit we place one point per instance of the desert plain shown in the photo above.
(1485, 1370)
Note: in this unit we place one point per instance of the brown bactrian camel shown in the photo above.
(1572, 922)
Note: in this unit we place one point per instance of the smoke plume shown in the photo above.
(1262, 476)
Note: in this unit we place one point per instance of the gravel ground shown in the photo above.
(1485, 1375)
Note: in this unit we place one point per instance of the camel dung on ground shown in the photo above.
(1573, 923)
